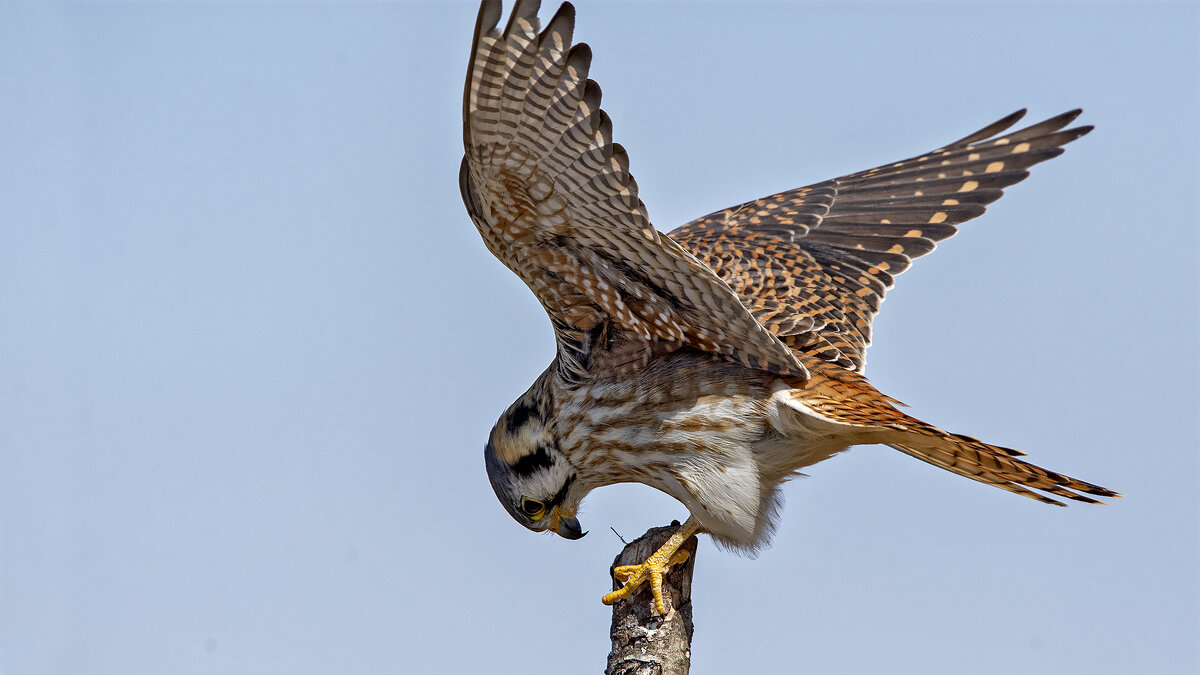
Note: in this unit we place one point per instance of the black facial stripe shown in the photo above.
(520, 415)
(533, 462)
(562, 493)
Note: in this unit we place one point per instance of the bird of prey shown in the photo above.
(716, 361)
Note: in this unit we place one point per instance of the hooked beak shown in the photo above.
(568, 528)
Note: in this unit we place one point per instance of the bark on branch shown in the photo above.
(644, 643)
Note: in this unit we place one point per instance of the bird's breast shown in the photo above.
(645, 428)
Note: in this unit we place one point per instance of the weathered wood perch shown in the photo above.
(644, 643)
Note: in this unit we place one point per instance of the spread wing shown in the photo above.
(552, 196)
(813, 264)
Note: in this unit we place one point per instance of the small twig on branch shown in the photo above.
(644, 643)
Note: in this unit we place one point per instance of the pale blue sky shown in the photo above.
(251, 344)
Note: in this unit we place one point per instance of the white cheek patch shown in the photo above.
(545, 484)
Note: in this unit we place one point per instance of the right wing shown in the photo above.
(813, 264)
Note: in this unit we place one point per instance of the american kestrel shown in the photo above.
(716, 361)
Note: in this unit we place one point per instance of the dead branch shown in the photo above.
(644, 643)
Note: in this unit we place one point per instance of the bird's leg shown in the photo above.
(654, 568)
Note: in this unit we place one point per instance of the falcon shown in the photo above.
(716, 361)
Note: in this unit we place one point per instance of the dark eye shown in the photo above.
(532, 508)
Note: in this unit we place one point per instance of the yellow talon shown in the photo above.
(633, 576)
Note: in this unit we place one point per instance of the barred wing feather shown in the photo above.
(551, 194)
(813, 264)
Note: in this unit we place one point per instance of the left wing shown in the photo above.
(552, 196)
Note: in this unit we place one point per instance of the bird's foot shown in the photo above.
(653, 569)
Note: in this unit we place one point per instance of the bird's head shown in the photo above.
(530, 475)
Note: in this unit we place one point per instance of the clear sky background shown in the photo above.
(251, 345)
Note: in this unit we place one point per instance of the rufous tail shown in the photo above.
(971, 457)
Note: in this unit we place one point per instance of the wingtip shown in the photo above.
(486, 21)
(1010, 120)
(1083, 130)
(582, 51)
(1066, 118)
(565, 12)
(527, 9)
(490, 12)
(1000, 125)
(1059, 121)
